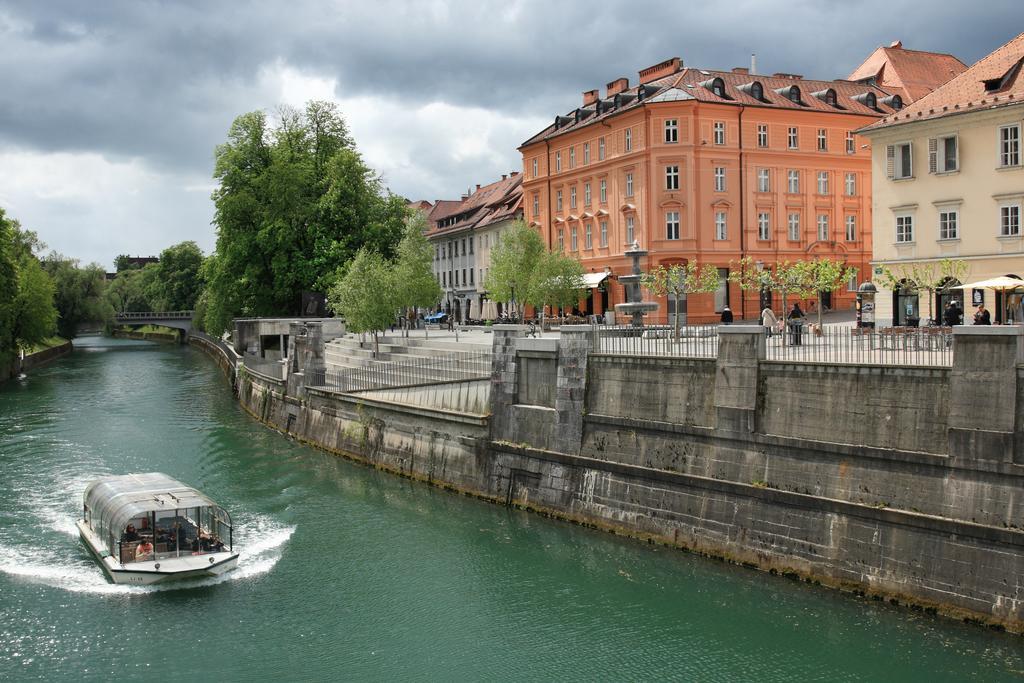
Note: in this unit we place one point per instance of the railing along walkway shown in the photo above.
(438, 369)
(157, 315)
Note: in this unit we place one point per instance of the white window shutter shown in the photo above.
(933, 155)
(890, 161)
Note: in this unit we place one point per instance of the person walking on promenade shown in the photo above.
(796, 323)
(768, 320)
(726, 316)
(982, 317)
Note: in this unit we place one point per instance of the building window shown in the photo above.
(572, 157)
(851, 228)
(671, 177)
(471, 271)
(822, 140)
(719, 132)
(793, 140)
(762, 135)
(558, 162)
(720, 227)
(850, 149)
(1009, 145)
(588, 236)
(719, 179)
(470, 245)
(794, 227)
(463, 250)
(536, 204)
(762, 180)
(793, 178)
(904, 228)
(604, 233)
(630, 229)
(586, 153)
(672, 131)
(851, 184)
(823, 227)
(558, 200)
(561, 240)
(572, 239)
(572, 197)
(629, 184)
(763, 226)
(1009, 220)
(534, 168)
(851, 284)
(822, 182)
(586, 194)
(628, 140)
(942, 154)
(899, 161)
(600, 149)
(671, 225)
(444, 279)
(949, 224)
(604, 191)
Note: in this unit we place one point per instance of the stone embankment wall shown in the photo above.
(902, 483)
(35, 360)
(165, 337)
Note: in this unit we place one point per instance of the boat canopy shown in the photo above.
(114, 501)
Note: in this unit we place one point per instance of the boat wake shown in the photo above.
(67, 564)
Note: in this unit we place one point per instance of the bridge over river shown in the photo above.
(180, 320)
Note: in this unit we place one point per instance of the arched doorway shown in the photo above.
(946, 294)
(906, 308)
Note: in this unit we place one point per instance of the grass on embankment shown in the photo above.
(47, 343)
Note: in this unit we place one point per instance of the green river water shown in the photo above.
(350, 574)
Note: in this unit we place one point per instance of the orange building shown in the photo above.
(709, 166)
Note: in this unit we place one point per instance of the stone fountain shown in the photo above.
(635, 306)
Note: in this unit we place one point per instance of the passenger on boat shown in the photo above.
(144, 551)
(130, 534)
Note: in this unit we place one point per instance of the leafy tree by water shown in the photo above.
(35, 316)
(513, 261)
(680, 279)
(415, 283)
(295, 202)
(179, 280)
(129, 290)
(8, 291)
(557, 281)
(365, 294)
(79, 293)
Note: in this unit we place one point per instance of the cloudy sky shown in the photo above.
(109, 111)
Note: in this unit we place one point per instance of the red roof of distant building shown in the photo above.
(995, 81)
(488, 204)
(911, 74)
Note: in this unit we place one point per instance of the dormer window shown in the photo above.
(894, 102)
(754, 89)
(792, 93)
(868, 99)
(828, 96)
(715, 85)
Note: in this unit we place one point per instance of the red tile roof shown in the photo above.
(694, 84)
(911, 74)
(995, 81)
(488, 204)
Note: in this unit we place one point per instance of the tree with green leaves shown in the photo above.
(295, 202)
(8, 292)
(930, 276)
(557, 281)
(513, 261)
(35, 316)
(415, 283)
(365, 294)
(826, 275)
(179, 280)
(79, 293)
(680, 279)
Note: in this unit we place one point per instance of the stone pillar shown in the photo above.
(571, 390)
(504, 379)
(983, 391)
(740, 350)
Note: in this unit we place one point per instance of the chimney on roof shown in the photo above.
(513, 174)
(590, 96)
(792, 77)
(896, 45)
(740, 70)
(753, 63)
(660, 70)
(465, 196)
(503, 176)
(617, 86)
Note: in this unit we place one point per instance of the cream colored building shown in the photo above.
(948, 182)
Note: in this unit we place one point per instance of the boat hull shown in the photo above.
(157, 571)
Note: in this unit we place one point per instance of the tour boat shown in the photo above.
(150, 528)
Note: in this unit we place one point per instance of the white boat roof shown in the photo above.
(117, 500)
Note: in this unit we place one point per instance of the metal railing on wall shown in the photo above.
(163, 315)
(449, 367)
(269, 368)
(693, 341)
(926, 346)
